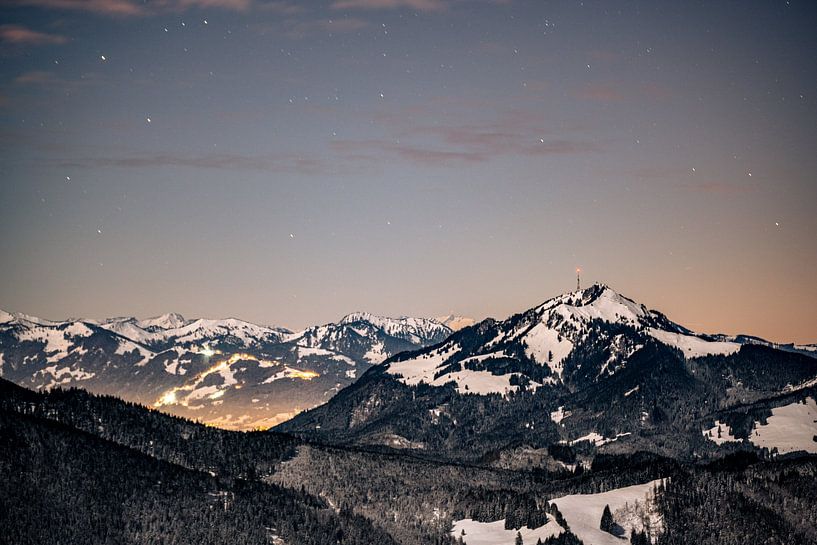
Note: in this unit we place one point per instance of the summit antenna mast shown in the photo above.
(578, 279)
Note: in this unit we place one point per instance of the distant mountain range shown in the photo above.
(585, 371)
(593, 343)
(228, 372)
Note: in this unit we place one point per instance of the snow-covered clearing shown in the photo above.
(790, 428)
(633, 508)
(494, 533)
(694, 347)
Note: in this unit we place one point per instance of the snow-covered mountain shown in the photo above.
(171, 320)
(455, 321)
(225, 372)
(173, 330)
(587, 367)
(372, 338)
(546, 336)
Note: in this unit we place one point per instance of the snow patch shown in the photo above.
(693, 347)
(422, 368)
(480, 382)
(306, 351)
(720, 433)
(64, 375)
(494, 533)
(598, 439)
(559, 414)
(543, 345)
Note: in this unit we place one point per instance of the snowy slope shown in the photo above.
(790, 428)
(372, 338)
(494, 533)
(633, 508)
(692, 346)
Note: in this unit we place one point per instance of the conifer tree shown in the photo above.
(607, 523)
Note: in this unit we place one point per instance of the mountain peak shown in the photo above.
(5, 317)
(361, 316)
(597, 302)
(385, 322)
(170, 320)
(455, 321)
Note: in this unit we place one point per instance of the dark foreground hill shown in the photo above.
(65, 486)
(78, 468)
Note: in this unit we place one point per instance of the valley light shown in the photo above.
(303, 375)
(180, 395)
(169, 398)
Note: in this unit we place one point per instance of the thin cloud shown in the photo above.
(372, 151)
(516, 132)
(104, 7)
(303, 29)
(221, 161)
(459, 144)
(718, 188)
(132, 8)
(281, 8)
(419, 5)
(513, 133)
(20, 35)
(604, 55)
(601, 93)
(37, 77)
(236, 5)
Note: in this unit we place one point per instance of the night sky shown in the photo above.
(290, 162)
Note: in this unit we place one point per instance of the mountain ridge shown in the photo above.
(227, 372)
